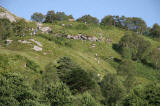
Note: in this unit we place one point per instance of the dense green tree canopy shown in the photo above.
(38, 17)
(134, 46)
(13, 90)
(58, 16)
(88, 19)
(74, 76)
(58, 94)
(130, 23)
(155, 31)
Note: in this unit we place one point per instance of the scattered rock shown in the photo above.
(37, 48)
(93, 46)
(108, 40)
(82, 37)
(38, 43)
(63, 25)
(93, 38)
(24, 41)
(44, 53)
(9, 41)
(43, 29)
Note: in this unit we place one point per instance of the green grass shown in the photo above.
(80, 51)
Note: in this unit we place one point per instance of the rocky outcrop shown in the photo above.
(43, 29)
(79, 37)
(36, 48)
(38, 43)
(7, 16)
(24, 41)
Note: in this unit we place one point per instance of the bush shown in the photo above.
(147, 96)
(13, 90)
(111, 89)
(48, 76)
(87, 100)
(58, 95)
(20, 27)
(154, 59)
(6, 29)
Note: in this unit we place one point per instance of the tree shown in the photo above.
(108, 20)
(50, 17)
(154, 58)
(74, 76)
(61, 16)
(88, 19)
(58, 16)
(127, 70)
(65, 65)
(58, 94)
(147, 96)
(111, 89)
(38, 17)
(155, 31)
(6, 29)
(136, 24)
(130, 23)
(47, 77)
(79, 80)
(137, 48)
(14, 91)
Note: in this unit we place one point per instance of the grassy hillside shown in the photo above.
(41, 69)
(80, 51)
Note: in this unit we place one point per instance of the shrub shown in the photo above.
(154, 59)
(6, 29)
(20, 27)
(13, 90)
(58, 94)
(87, 100)
(147, 96)
(111, 89)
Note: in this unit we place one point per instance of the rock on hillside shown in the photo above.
(6, 14)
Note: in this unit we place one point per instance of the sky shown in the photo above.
(149, 10)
